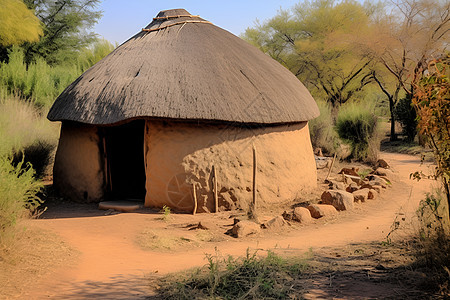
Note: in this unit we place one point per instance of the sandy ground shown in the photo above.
(112, 265)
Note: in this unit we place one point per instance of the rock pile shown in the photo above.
(348, 188)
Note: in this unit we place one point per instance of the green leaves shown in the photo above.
(315, 41)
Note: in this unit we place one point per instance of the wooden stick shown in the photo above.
(216, 199)
(254, 178)
(194, 191)
(332, 162)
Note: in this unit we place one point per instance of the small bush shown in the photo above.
(251, 277)
(18, 190)
(322, 130)
(433, 249)
(405, 114)
(358, 126)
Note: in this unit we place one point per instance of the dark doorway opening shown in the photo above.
(124, 161)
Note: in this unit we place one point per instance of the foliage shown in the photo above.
(18, 24)
(315, 41)
(37, 82)
(322, 130)
(90, 55)
(406, 115)
(403, 38)
(432, 102)
(251, 277)
(357, 126)
(66, 24)
(166, 213)
(26, 134)
(18, 192)
(41, 83)
(433, 248)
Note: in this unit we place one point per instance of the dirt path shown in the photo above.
(112, 266)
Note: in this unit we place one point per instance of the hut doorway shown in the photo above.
(124, 161)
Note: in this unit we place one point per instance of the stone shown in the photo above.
(353, 186)
(378, 181)
(121, 206)
(382, 163)
(361, 195)
(321, 162)
(322, 210)
(275, 223)
(318, 152)
(384, 172)
(336, 185)
(373, 194)
(356, 179)
(347, 171)
(287, 216)
(245, 228)
(302, 215)
(341, 200)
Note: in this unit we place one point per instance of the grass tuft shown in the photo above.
(250, 277)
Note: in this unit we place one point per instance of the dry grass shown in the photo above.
(159, 240)
(31, 254)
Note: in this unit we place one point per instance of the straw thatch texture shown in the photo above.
(189, 71)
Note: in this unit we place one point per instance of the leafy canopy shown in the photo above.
(66, 28)
(18, 24)
(315, 40)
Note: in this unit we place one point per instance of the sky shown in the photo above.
(123, 19)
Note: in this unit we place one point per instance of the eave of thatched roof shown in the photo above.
(186, 70)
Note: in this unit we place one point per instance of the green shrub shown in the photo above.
(405, 114)
(18, 190)
(357, 126)
(251, 277)
(322, 130)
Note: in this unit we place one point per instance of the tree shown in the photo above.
(315, 41)
(431, 99)
(402, 42)
(66, 25)
(18, 25)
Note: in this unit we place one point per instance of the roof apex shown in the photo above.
(173, 13)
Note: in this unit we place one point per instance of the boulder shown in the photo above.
(355, 179)
(361, 195)
(275, 223)
(245, 228)
(378, 181)
(341, 200)
(302, 215)
(321, 210)
(384, 172)
(352, 187)
(347, 171)
(335, 185)
(373, 194)
(382, 163)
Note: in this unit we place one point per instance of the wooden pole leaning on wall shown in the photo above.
(331, 166)
(194, 192)
(253, 207)
(216, 198)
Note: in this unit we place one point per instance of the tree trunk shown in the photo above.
(393, 136)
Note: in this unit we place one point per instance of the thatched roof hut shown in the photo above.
(193, 96)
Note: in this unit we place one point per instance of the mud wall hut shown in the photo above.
(179, 101)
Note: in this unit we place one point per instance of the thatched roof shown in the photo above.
(183, 67)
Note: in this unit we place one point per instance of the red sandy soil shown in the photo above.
(111, 265)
